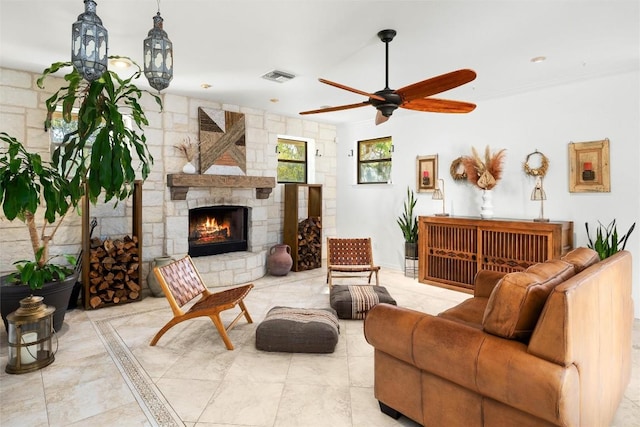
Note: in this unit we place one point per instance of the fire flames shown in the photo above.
(209, 231)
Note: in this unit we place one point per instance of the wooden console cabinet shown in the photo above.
(453, 249)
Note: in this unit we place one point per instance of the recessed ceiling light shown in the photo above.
(537, 59)
(120, 62)
(205, 85)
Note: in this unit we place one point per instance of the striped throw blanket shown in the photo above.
(363, 298)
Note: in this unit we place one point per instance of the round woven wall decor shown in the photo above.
(457, 170)
(540, 170)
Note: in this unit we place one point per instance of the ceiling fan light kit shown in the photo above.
(413, 97)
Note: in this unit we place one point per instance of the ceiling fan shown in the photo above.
(412, 97)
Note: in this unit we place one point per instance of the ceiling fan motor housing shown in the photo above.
(386, 35)
(391, 102)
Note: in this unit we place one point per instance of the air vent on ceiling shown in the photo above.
(278, 76)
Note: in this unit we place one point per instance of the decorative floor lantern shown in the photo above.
(158, 55)
(89, 40)
(29, 336)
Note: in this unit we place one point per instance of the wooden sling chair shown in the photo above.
(182, 283)
(350, 258)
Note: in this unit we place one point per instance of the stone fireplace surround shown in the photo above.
(229, 268)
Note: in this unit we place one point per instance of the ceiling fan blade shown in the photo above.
(435, 105)
(350, 89)
(338, 108)
(436, 84)
(380, 118)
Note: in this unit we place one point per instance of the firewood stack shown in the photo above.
(114, 273)
(309, 244)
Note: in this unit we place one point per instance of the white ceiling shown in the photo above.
(229, 44)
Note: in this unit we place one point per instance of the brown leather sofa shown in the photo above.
(547, 346)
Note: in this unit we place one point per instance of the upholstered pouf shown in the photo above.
(354, 301)
(298, 330)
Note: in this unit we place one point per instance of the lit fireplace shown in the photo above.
(217, 229)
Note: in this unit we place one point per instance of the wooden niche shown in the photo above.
(302, 229)
(111, 271)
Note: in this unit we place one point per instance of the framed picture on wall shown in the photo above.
(427, 173)
(589, 167)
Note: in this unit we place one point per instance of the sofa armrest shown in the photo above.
(485, 281)
(389, 328)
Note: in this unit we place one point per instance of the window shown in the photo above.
(59, 128)
(292, 160)
(374, 161)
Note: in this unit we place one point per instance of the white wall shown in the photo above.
(547, 120)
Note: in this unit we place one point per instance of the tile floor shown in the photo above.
(106, 374)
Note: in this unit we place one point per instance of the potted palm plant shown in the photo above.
(408, 224)
(102, 152)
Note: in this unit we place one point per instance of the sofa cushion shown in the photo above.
(581, 258)
(470, 312)
(355, 301)
(298, 330)
(517, 300)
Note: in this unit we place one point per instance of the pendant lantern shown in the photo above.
(158, 56)
(89, 40)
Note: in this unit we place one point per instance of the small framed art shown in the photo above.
(589, 167)
(427, 173)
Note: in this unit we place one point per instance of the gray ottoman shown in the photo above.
(298, 330)
(354, 301)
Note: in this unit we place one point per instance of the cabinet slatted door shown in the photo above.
(452, 254)
(453, 249)
(511, 251)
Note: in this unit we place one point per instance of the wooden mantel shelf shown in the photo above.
(179, 183)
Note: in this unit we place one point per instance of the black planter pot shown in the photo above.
(410, 250)
(55, 294)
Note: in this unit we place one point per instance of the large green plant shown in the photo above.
(103, 105)
(103, 152)
(407, 221)
(607, 241)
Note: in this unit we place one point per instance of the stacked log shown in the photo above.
(309, 244)
(114, 273)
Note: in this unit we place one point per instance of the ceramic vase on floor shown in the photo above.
(486, 210)
(279, 261)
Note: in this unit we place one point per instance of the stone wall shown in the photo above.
(22, 113)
